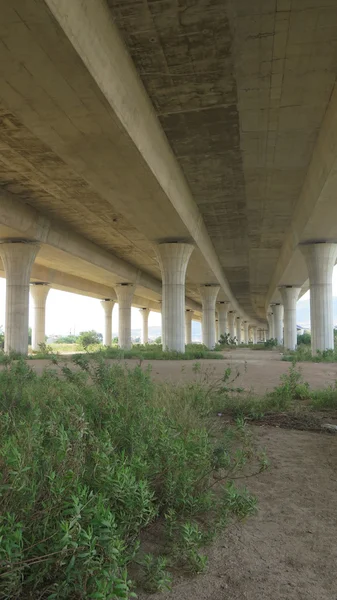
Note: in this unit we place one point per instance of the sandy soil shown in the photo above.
(288, 551)
(259, 370)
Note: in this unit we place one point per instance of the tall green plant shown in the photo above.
(89, 458)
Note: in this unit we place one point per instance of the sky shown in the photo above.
(66, 312)
(73, 313)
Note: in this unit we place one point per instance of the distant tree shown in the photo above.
(2, 338)
(88, 338)
(29, 336)
(67, 339)
(157, 340)
(304, 338)
(115, 341)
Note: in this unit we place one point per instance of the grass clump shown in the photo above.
(303, 354)
(293, 394)
(138, 351)
(155, 352)
(271, 344)
(90, 457)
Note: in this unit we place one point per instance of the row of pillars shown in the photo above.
(18, 257)
(320, 259)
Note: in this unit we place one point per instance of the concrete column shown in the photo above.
(231, 323)
(208, 297)
(173, 260)
(238, 330)
(320, 259)
(254, 333)
(188, 326)
(145, 325)
(18, 257)
(289, 295)
(278, 323)
(125, 292)
(270, 318)
(39, 292)
(217, 334)
(246, 332)
(223, 308)
(107, 306)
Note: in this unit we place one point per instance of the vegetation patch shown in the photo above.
(90, 457)
(155, 352)
(303, 354)
(303, 351)
(291, 402)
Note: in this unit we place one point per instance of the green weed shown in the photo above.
(303, 354)
(292, 394)
(89, 458)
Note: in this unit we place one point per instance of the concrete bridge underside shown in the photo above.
(126, 123)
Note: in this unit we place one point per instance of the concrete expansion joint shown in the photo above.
(18, 241)
(39, 283)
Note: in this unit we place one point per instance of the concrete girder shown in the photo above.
(315, 214)
(89, 38)
(76, 285)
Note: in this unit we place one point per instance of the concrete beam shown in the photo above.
(153, 182)
(84, 287)
(33, 225)
(315, 214)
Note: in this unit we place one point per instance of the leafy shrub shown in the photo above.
(303, 354)
(44, 350)
(89, 458)
(155, 352)
(271, 343)
(292, 394)
(325, 399)
(89, 338)
(304, 338)
(227, 340)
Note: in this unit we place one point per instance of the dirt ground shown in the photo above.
(288, 550)
(259, 370)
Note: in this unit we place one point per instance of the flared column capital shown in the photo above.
(209, 293)
(107, 304)
(223, 308)
(289, 295)
(173, 260)
(18, 257)
(39, 292)
(320, 259)
(125, 292)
